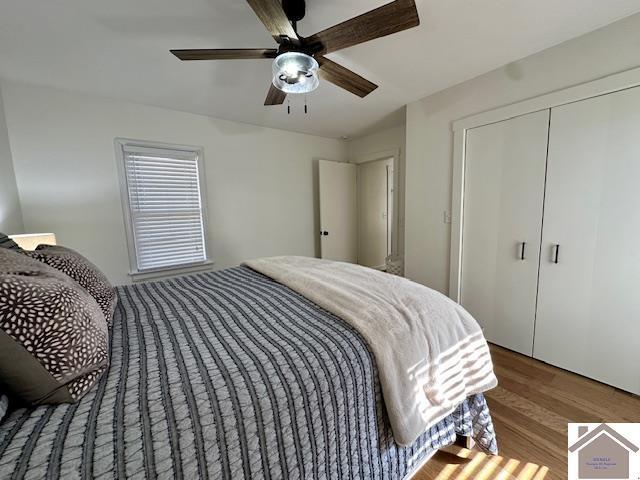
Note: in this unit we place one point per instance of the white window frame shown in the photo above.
(120, 144)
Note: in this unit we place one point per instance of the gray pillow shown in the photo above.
(85, 273)
(6, 242)
(4, 405)
(53, 335)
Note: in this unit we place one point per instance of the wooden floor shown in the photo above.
(531, 408)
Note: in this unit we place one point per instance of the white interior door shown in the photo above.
(338, 211)
(375, 206)
(503, 201)
(589, 305)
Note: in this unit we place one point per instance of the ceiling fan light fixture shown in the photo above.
(295, 72)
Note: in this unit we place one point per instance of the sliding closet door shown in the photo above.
(503, 197)
(589, 295)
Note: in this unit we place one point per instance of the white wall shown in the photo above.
(259, 180)
(609, 50)
(377, 145)
(10, 214)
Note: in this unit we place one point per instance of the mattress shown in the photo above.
(227, 375)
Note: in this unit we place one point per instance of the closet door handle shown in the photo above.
(556, 255)
(522, 250)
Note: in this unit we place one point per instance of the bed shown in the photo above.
(228, 374)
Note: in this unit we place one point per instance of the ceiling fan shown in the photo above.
(298, 61)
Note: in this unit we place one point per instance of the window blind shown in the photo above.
(165, 206)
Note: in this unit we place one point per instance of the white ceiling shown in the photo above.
(120, 49)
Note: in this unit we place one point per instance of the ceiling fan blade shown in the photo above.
(275, 96)
(225, 53)
(271, 14)
(344, 78)
(390, 18)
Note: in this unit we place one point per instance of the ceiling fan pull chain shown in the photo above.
(305, 104)
(288, 107)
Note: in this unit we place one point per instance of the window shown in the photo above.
(163, 203)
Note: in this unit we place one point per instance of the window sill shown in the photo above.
(137, 276)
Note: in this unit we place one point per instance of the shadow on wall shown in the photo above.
(514, 71)
(10, 217)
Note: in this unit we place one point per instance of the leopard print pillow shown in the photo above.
(82, 271)
(53, 335)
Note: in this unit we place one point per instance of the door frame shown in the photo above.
(602, 86)
(394, 155)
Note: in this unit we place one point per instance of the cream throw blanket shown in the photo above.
(430, 353)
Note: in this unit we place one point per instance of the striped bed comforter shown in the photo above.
(227, 375)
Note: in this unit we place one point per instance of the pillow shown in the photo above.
(4, 405)
(82, 271)
(53, 335)
(6, 242)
